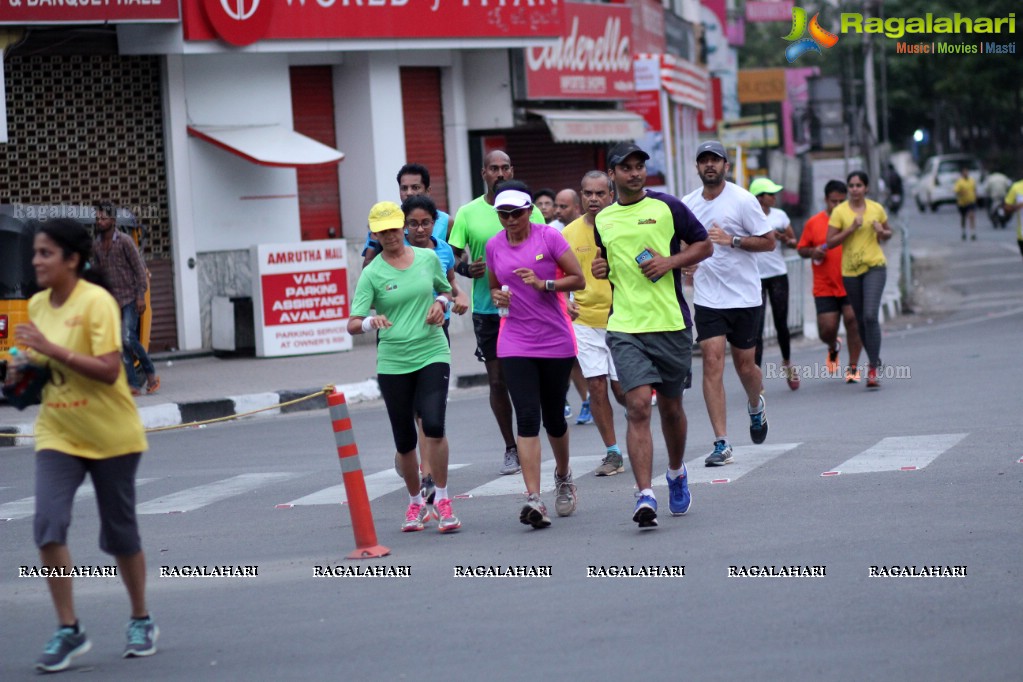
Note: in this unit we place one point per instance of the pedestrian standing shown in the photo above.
(589, 311)
(536, 345)
(727, 294)
(475, 223)
(413, 357)
(829, 295)
(860, 225)
(88, 424)
(117, 257)
(646, 239)
(774, 277)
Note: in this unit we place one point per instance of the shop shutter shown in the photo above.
(424, 127)
(541, 162)
(312, 106)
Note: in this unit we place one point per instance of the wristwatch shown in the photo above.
(736, 242)
(548, 285)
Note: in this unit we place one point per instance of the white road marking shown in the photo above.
(746, 459)
(199, 496)
(377, 485)
(899, 453)
(26, 506)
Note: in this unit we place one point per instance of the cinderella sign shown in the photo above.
(592, 61)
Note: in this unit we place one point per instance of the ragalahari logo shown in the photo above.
(818, 36)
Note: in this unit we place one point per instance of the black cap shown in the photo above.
(622, 151)
(714, 147)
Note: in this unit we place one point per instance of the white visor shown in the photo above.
(512, 198)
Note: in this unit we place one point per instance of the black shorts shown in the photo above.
(968, 208)
(662, 360)
(830, 304)
(740, 326)
(486, 326)
(58, 476)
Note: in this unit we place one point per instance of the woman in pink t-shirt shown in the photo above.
(536, 345)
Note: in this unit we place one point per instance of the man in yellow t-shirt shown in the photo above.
(966, 199)
(1014, 204)
(589, 310)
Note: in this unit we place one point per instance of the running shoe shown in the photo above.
(793, 378)
(758, 423)
(413, 518)
(534, 512)
(646, 512)
(852, 376)
(721, 455)
(564, 489)
(832, 364)
(511, 462)
(568, 410)
(872, 381)
(585, 417)
(447, 521)
(62, 647)
(679, 499)
(142, 634)
(613, 464)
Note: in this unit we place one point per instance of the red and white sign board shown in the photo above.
(769, 10)
(86, 11)
(300, 297)
(243, 22)
(591, 60)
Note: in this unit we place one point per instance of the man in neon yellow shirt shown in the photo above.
(1014, 204)
(966, 199)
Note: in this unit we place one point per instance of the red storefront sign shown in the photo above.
(355, 19)
(591, 60)
(299, 297)
(86, 11)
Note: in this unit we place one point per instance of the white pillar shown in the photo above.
(371, 133)
(179, 204)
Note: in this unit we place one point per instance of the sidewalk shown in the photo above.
(206, 387)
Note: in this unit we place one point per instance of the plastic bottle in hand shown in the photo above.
(503, 312)
(818, 261)
(18, 362)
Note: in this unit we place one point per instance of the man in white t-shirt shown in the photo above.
(727, 293)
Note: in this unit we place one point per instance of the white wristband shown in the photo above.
(444, 301)
(367, 324)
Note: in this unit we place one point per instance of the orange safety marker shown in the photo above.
(355, 484)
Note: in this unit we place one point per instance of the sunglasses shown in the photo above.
(511, 214)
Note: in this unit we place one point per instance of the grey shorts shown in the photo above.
(58, 476)
(662, 360)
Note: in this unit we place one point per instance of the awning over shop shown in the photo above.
(268, 145)
(686, 83)
(590, 125)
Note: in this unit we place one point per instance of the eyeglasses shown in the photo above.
(414, 225)
(511, 214)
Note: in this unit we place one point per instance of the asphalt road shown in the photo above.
(221, 495)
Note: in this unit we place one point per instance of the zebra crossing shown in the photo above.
(893, 454)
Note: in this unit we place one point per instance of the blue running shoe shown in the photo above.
(721, 455)
(568, 410)
(679, 499)
(758, 423)
(646, 512)
(62, 647)
(584, 414)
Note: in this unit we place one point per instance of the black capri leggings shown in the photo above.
(777, 290)
(424, 393)
(538, 387)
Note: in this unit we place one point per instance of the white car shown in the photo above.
(939, 177)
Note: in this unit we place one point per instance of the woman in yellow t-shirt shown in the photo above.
(87, 424)
(859, 225)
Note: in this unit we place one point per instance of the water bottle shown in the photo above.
(19, 360)
(503, 312)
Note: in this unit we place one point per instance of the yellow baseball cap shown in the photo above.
(386, 215)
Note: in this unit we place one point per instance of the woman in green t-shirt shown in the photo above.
(413, 357)
(860, 225)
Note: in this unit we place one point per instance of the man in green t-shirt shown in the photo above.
(474, 224)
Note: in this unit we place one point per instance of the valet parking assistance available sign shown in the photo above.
(301, 297)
